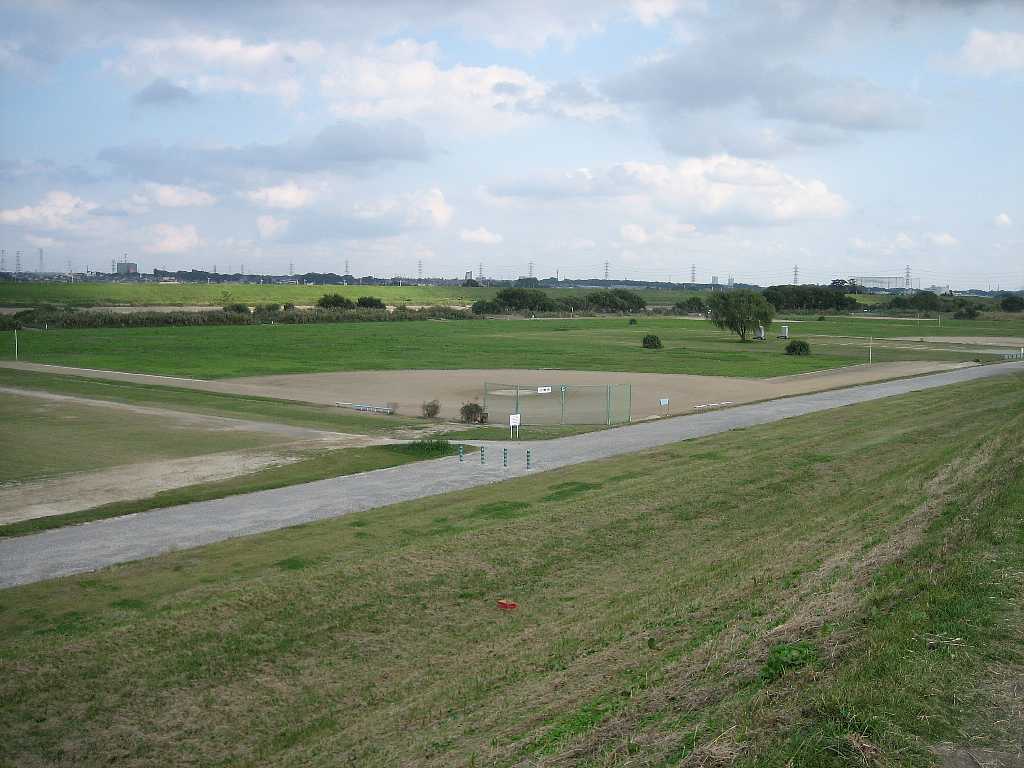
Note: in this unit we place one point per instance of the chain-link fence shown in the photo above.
(558, 403)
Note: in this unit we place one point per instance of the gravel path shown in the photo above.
(78, 549)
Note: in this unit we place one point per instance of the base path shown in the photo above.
(82, 548)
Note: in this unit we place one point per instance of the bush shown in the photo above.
(632, 321)
(651, 341)
(288, 307)
(692, 306)
(798, 347)
(968, 312)
(268, 308)
(369, 302)
(1012, 303)
(431, 409)
(472, 413)
(238, 309)
(334, 301)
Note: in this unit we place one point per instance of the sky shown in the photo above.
(659, 137)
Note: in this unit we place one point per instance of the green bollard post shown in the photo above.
(504, 457)
(528, 457)
(462, 453)
(483, 451)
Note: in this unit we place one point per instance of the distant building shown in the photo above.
(127, 268)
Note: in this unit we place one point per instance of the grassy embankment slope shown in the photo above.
(610, 344)
(842, 588)
(197, 294)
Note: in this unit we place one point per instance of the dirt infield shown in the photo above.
(408, 390)
(997, 341)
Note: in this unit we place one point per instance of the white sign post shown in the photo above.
(513, 424)
(543, 390)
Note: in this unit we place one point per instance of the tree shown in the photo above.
(1012, 303)
(740, 311)
(369, 302)
(693, 305)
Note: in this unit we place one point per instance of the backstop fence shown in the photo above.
(558, 403)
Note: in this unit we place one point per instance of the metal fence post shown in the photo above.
(608, 405)
(517, 399)
(561, 420)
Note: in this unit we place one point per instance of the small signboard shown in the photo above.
(543, 390)
(513, 424)
(663, 402)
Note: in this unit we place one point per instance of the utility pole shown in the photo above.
(796, 274)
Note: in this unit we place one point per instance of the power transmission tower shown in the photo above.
(17, 262)
(556, 276)
(291, 269)
(693, 274)
(346, 268)
(113, 266)
(480, 271)
(3, 259)
(42, 264)
(530, 273)
(907, 286)
(419, 270)
(241, 268)
(796, 274)
(606, 271)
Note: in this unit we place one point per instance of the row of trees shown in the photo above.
(508, 300)
(808, 297)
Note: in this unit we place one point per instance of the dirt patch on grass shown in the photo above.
(993, 341)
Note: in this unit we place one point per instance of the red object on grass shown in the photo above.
(507, 605)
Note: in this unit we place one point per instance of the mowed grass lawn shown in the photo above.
(44, 438)
(608, 344)
(838, 589)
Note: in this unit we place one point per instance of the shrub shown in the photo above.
(798, 347)
(968, 312)
(693, 305)
(369, 302)
(334, 301)
(632, 321)
(1012, 303)
(431, 409)
(238, 309)
(821, 318)
(472, 413)
(288, 307)
(268, 308)
(651, 341)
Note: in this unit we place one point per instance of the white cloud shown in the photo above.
(942, 239)
(990, 53)
(721, 187)
(1003, 221)
(205, 64)
(270, 227)
(432, 203)
(288, 195)
(57, 210)
(170, 196)
(634, 233)
(481, 236)
(168, 238)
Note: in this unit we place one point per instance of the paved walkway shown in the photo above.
(78, 549)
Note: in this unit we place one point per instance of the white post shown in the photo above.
(15, 345)
(870, 342)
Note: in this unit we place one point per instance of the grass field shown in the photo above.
(838, 589)
(43, 439)
(610, 344)
(197, 294)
